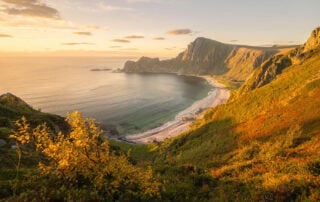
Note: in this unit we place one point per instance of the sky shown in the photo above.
(160, 28)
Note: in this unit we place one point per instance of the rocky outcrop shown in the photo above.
(206, 56)
(313, 41)
(267, 72)
(150, 65)
(274, 66)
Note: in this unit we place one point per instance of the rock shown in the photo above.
(274, 66)
(144, 64)
(268, 72)
(314, 40)
(206, 56)
(98, 69)
(2, 142)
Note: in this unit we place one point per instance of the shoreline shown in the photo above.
(181, 123)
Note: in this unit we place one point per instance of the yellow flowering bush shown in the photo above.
(83, 158)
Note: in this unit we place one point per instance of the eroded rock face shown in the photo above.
(314, 40)
(144, 64)
(267, 72)
(206, 56)
(274, 66)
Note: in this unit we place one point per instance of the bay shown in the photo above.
(129, 102)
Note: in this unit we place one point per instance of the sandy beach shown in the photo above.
(180, 124)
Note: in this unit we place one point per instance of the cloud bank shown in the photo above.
(134, 37)
(179, 32)
(159, 38)
(33, 8)
(121, 40)
(83, 33)
(5, 36)
(76, 44)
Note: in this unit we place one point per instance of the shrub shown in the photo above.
(81, 160)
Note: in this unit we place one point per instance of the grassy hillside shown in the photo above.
(13, 108)
(262, 145)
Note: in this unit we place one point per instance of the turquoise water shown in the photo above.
(130, 102)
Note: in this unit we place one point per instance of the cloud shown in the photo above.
(5, 36)
(34, 14)
(83, 33)
(105, 7)
(134, 37)
(234, 40)
(45, 23)
(76, 44)
(96, 27)
(115, 46)
(121, 40)
(159, 38)
(31, 8)
(149, 1)
(130, 49)
(179, 32)
(171, 48)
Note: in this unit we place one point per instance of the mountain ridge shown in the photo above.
(207, 56)
(274, 66)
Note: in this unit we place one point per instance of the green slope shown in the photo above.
(263, 145)
(12, 109)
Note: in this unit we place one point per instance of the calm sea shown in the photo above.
(130, 102)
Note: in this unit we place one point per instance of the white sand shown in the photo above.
(180, 124)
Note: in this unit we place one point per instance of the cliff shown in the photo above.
(314, 40)
(206, 56)
(275, 65)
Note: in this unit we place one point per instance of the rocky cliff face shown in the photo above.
(274, 66)
(313, 41)
(206, 56)
(151, 65)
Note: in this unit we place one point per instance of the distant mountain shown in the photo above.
(206, 56)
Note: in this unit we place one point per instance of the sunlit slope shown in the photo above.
(271, 110)
(264, 140)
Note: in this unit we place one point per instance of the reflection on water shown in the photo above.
(131, 102)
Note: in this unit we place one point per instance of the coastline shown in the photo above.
(181, 123)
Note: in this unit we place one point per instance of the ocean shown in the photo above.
(131, 103)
